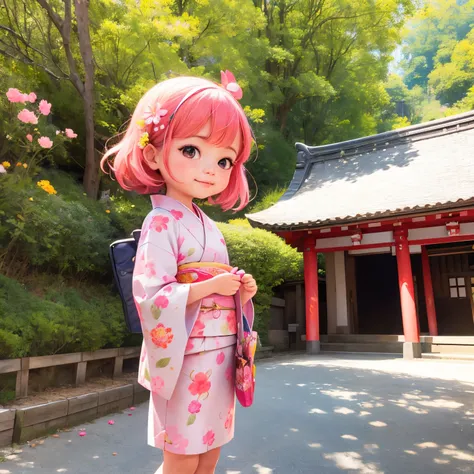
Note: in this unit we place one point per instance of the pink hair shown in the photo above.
(213, 103)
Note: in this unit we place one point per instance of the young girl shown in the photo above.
(188, 138)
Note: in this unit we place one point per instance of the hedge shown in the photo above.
(65, 238)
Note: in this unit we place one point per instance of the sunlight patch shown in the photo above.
(440, 403)
(317, 411)
(409, 451)
(352, 461)
(315, 445)
(371, 448)
(441, 461)
(365, 413)
(458, 454)
(427, 444)
(343, 411)
(262, 470)
(378, 424)
(342, 394)
(351, 437)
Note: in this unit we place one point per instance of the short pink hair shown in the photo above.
(212, 103)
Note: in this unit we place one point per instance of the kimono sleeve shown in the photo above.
(161, 303)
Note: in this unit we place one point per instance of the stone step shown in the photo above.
(447, 349)
(382, 347)
(448, 356)
(362, 338)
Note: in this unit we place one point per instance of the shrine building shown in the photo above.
(394, 216)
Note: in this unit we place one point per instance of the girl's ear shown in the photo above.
(150, 153)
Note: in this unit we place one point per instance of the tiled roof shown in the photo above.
(422, 167)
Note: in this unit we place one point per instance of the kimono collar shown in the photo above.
(170, 204)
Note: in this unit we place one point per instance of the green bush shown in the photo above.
(267, 258)
(59, 319)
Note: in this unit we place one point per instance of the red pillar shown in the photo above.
(310, 257)
(411, 348)
(429, 295)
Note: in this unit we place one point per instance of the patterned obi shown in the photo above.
(216, 321)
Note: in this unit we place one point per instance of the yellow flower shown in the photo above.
(31, 199)
(25, 165)
(6, 164)
(107, 211)
(140, 123)
(144, 140)
(45, 185)
(18, 164)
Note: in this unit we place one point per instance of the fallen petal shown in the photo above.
(82, 433)
(130, 414)
(111, 422)
(114, 454)
(132, 408)
(55, 436)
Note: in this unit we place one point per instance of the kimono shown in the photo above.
(188, 354)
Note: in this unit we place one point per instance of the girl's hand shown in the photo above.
(249, 288)
(226, 284)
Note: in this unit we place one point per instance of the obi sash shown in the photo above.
(216, 324)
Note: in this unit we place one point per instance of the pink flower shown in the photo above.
(200, 384)
(229, 83)
(198, 329)
(229, 419)
(220, 358)
(177, 214)
(159, 223)
(176, 442)
(45, 142)
(32, 97)
(150, 270)
(168, 289)
(229, 373)
(157, 383)
(223, 242)
(181, 257)
(29, 137)
(189, 345)
(209, 438)
(111, 422)
(70, 133)
(194, 407)
(232, 322)
(180, 241)
(26, 116)
(161, 336)
(154, 114)
(161, 302)
(82, 433)
(14, 95)
(44, 107)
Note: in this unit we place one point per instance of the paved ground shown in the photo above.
(325, 414)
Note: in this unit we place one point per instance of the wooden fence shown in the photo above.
(23, 366)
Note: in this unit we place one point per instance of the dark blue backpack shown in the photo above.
(122, 255)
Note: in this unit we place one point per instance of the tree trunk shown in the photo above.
(91, 173)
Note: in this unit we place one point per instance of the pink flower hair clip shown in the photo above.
(151, 118)
(229, 83)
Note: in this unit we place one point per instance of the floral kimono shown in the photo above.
(188, 354)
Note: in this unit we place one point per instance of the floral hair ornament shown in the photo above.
(230, 84)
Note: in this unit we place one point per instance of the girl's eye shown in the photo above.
(190, 151)
(226, 163)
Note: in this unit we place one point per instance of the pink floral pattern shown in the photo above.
(157, 383)
(200, 384)
(194, 407)
(177, 214)
(161, 336)
(220, 358)
(159, 223)
(209, 438)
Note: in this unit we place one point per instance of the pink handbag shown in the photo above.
(244, 364)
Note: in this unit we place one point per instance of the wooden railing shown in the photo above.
(23, 366)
